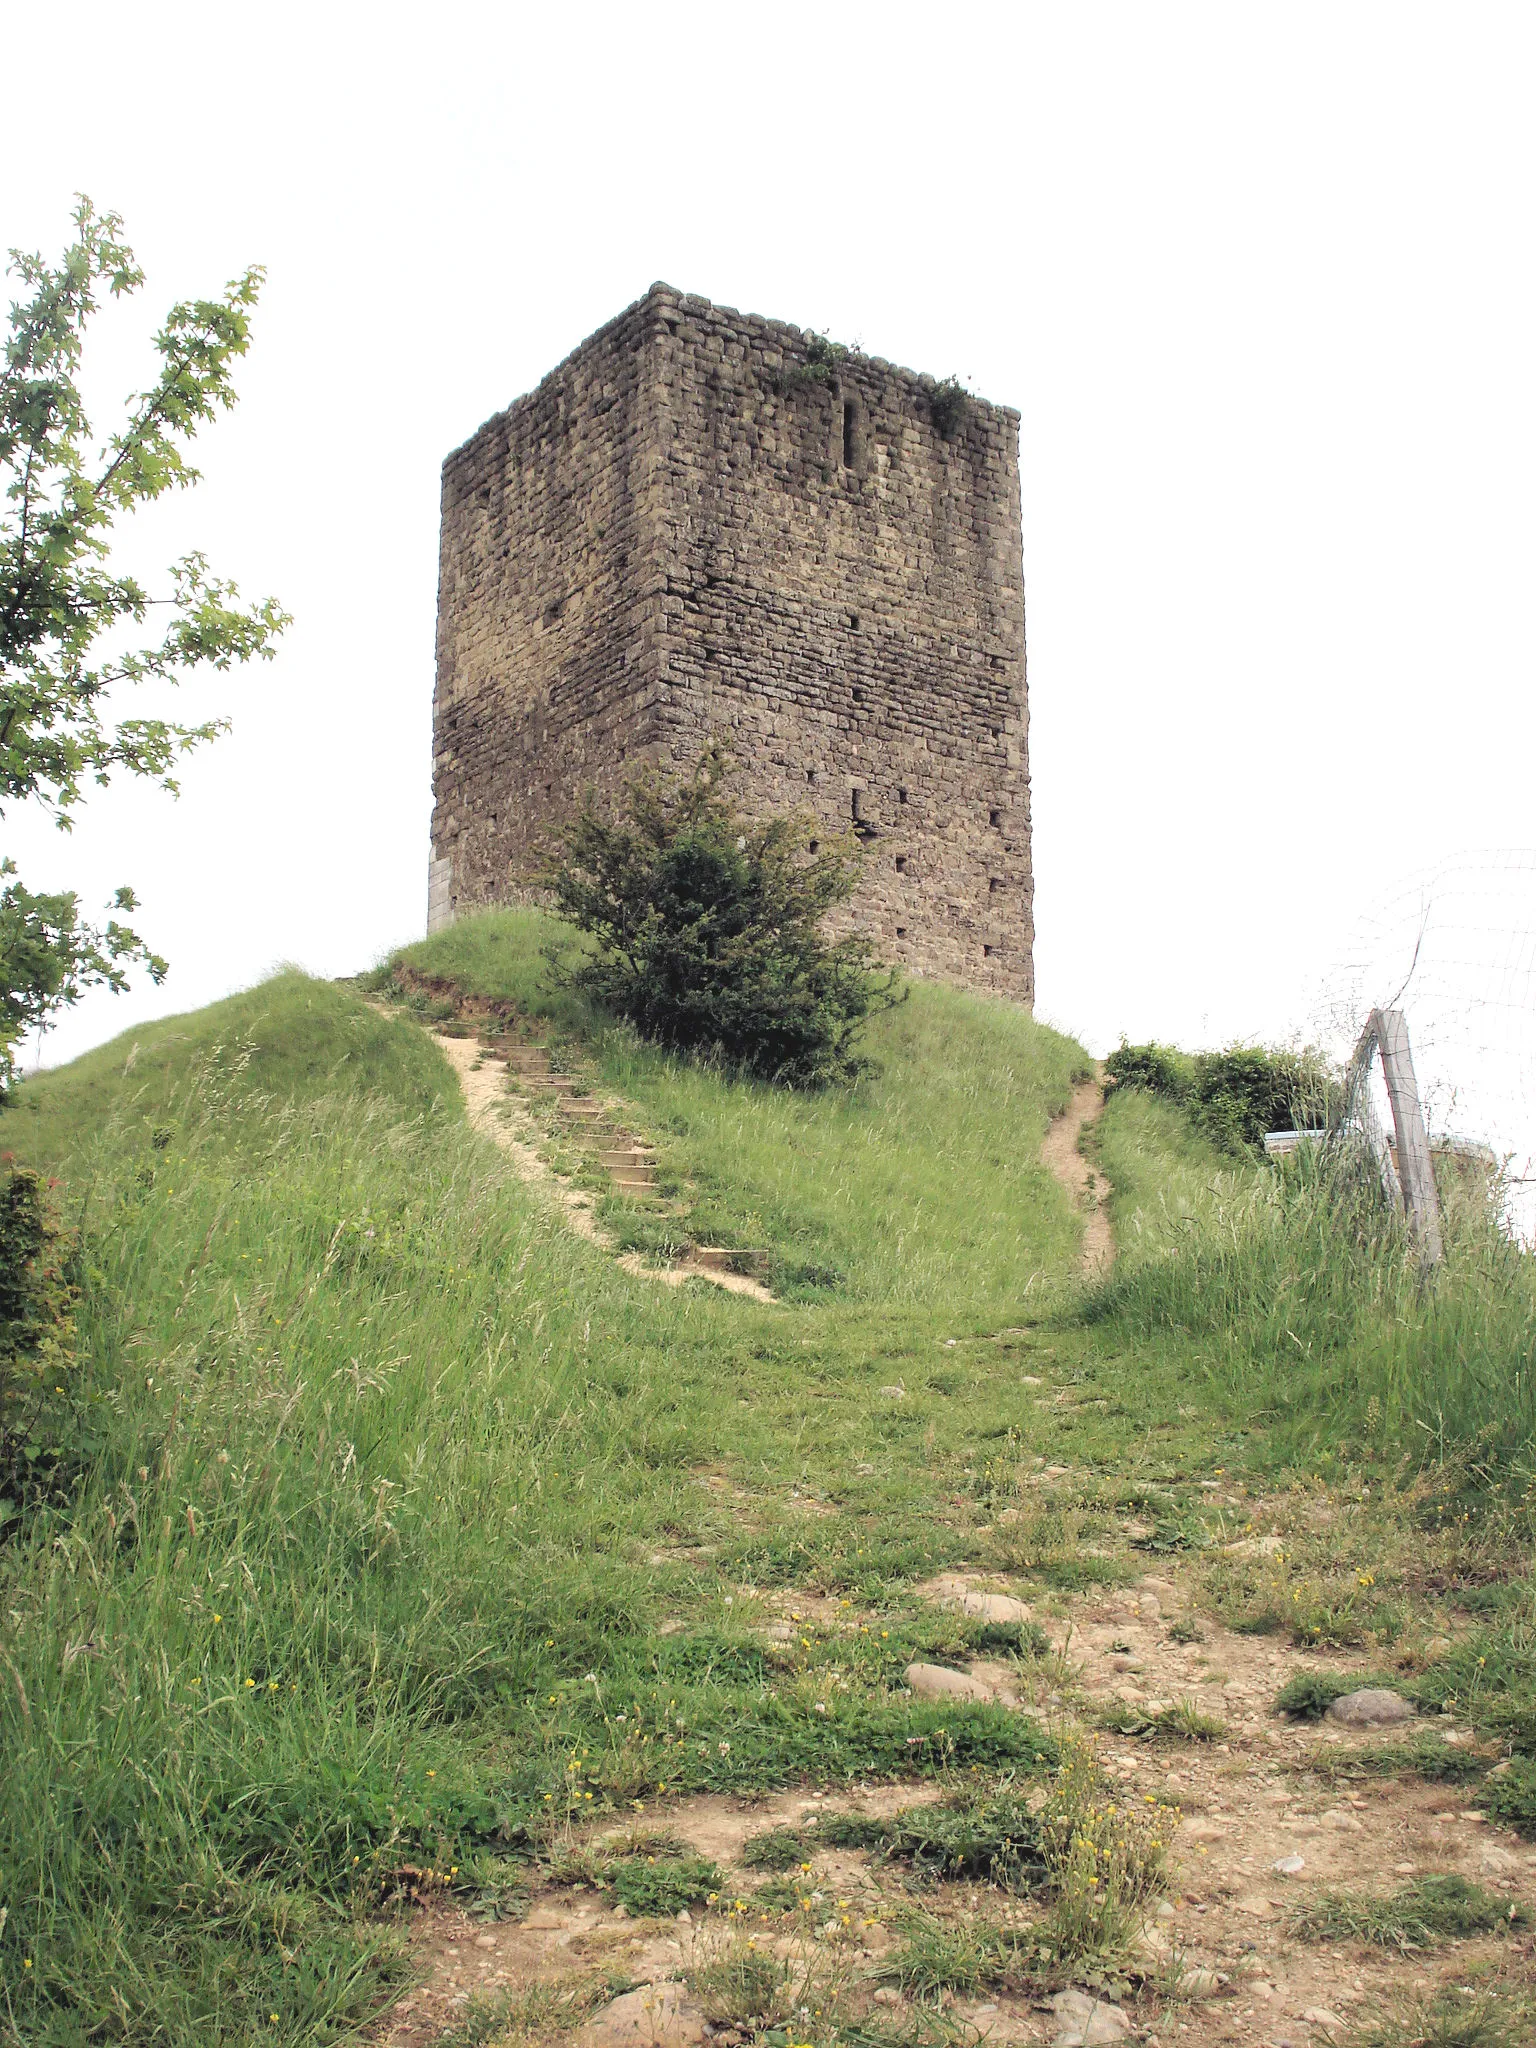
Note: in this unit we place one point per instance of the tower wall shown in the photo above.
(690, 532)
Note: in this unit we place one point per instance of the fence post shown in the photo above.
(1414, 1164)
(1359, 1104)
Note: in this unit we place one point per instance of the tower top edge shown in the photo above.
(692, 307)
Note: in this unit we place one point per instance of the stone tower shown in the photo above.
(706, 526)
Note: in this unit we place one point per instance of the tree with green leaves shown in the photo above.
(70, 648)
(707, 929)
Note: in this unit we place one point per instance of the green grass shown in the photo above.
(391, 1484)
(1458, 2016)
(291, 1039)
(1309, 1313)
(1416, 1916)
(380, 1454)
(996, 1839)
(781, 1848)
(663, 1886)
(921, 1187)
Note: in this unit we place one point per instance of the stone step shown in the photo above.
(724, 1258)
(584, 1111)
(624, 1155)
(631, 1177)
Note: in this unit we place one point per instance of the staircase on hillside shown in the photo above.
(585, 1121)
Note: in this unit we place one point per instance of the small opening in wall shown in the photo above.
(993, 886)
(994, 817)
(986, 952)
(901, 863)
(848, 429)
(858, 695)
(901, 931)
(858, 812)
(853, 621)
(815, 846)
(810, 774)
(901, 796)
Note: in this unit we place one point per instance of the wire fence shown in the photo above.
(1454, 947)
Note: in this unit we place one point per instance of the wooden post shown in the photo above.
(1360, 1105)
(1414, 1164)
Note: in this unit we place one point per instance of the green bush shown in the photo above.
(37, 1334)
(707, 930)
(1233, 1096)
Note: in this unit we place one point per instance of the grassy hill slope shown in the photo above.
(408, 1529)
(922, 1186)
(374, 1455)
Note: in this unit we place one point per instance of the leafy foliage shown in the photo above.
(37, 1331)
(823, 361)
(651, 1885)
(1233, 1096)
(707, 929)
(949, 405)
(64, 613)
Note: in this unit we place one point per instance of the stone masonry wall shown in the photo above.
(675, 539)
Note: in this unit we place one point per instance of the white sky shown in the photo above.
(1258, 278)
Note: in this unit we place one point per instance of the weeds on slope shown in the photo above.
(1305, 1302)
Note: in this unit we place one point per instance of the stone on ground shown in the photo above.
(955, 1593)
(937, 1682)
(1083, 2021)
(1372, 1707)
(655, 2016)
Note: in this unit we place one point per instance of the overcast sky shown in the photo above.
(1258, 278)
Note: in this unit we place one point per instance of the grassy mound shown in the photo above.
(290, 1039)
(389, 1482)
(923, 1185)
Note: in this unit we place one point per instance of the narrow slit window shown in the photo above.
(901, 863)
(994, 817)
(848, 427)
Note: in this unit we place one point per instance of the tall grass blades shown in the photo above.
(1306, 1303)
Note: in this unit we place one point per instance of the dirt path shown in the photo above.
(497, 1115)
(1267, 1816)
(1087, 1190)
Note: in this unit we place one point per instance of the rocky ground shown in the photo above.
(1268, 1815)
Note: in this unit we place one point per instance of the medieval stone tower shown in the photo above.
(705, 526)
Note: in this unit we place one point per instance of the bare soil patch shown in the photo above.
(1086, 1187)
